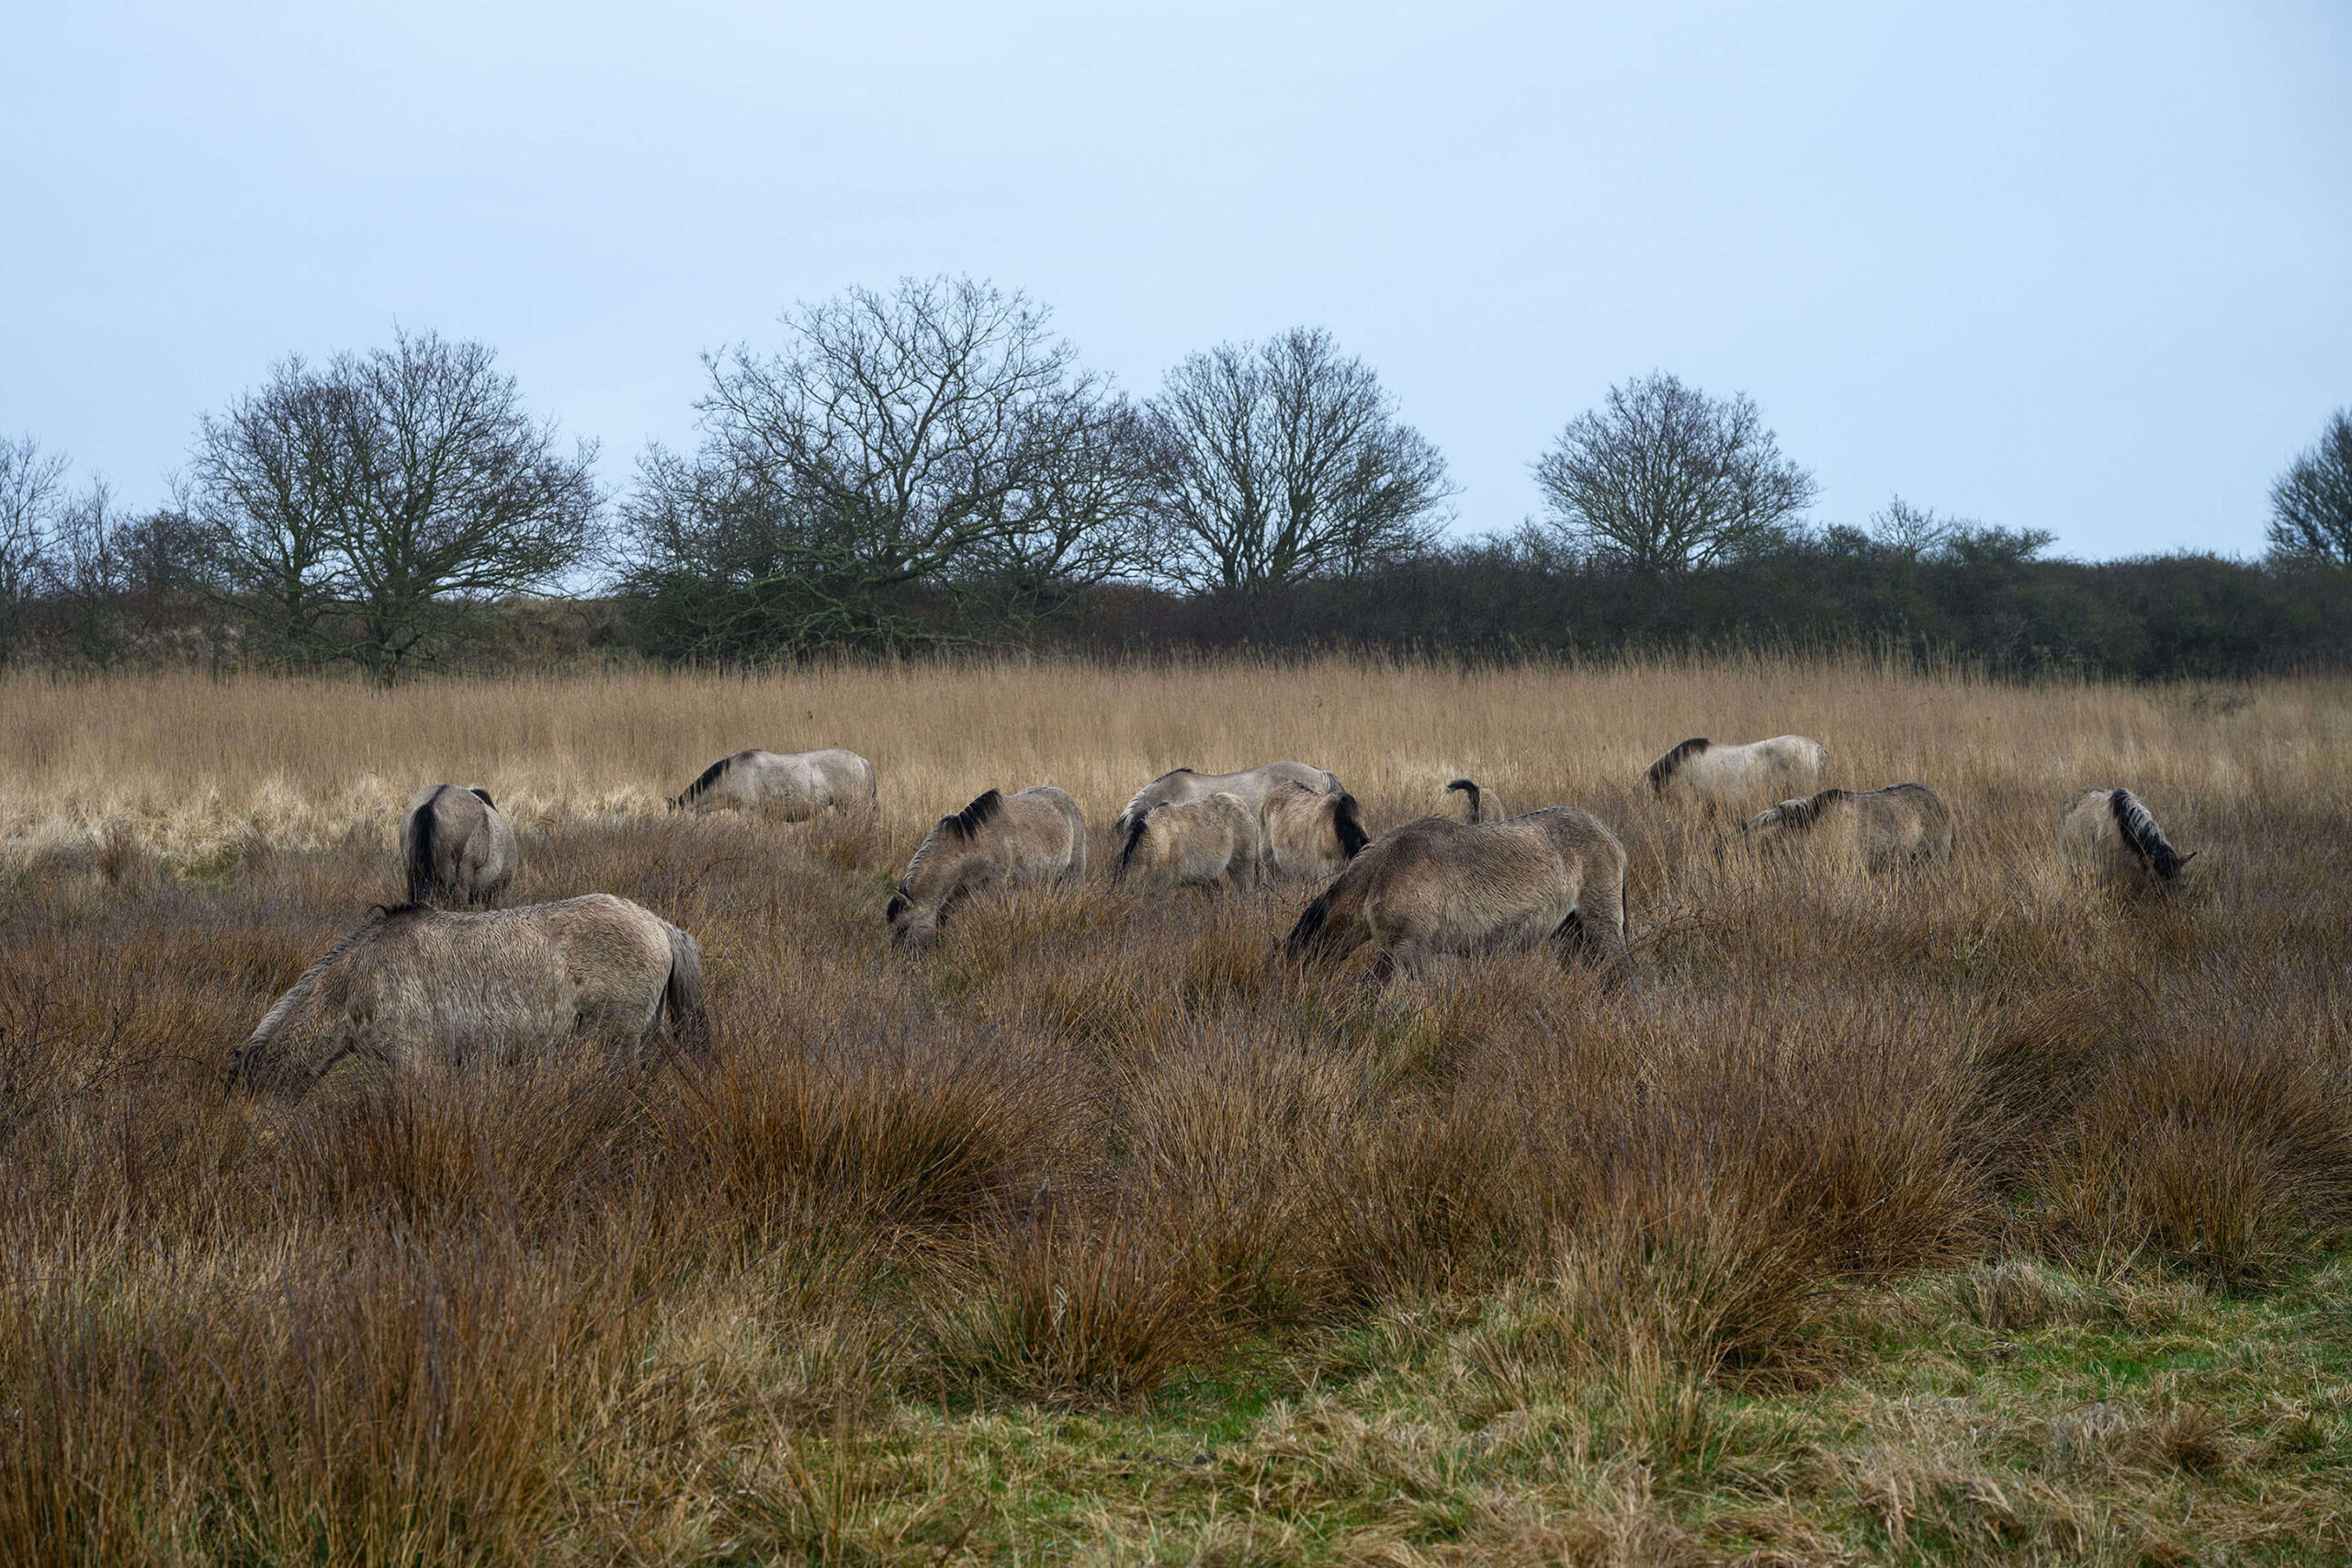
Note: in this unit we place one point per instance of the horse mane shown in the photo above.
(1664, 768)
(1310, 926)
(1127, 850)
(985, 808)
(379, 914)
(1169, 775)
(1349, 824)
(1806, 812)
(420, 846)
(710, 776)
(2139, 830)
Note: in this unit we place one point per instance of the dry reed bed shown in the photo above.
(697, 1314)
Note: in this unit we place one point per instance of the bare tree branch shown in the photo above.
(1661, 478)
(2311, 503)
(1285, 460)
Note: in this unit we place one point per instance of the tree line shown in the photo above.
(933, 467)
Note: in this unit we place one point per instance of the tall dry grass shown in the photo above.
(1100, 1138)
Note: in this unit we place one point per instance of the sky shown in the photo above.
(2085, 269)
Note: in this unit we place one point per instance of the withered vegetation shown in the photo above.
(1957, 1214)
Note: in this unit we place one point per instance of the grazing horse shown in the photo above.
(1728, 775)
(415, 987)
(1307, 833)
(1437, 885)
(1890, 827)
(1035, 836)
(793, 785)
(456, 847)
(1477, 805)
(1192, 843)
(2109, 833)
(1253, 785)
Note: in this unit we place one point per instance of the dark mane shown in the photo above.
(985, 809)
(1664, 768)
(1127, 850)
(484, 795)
(1470, 788)
(1311, 923)
(1349, 824)
(710, 776)
(1806, 812)
(2139, 829)
(1169, 775)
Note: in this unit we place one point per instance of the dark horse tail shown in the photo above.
(1349, 824)
(2139, 829)
(422, 825)
(1127, 850)
(681, 998)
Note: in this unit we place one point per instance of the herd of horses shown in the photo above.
(449, 978)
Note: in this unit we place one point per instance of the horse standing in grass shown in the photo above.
(1477, 805)
(1253, 785)
(456, 847)
(1730, 775)
(1035, 836)
(1193, 843)
(1310, 833)
(1890, 827)
(2109, 833)
(1436, 886)
(793, 785)
(417, 986)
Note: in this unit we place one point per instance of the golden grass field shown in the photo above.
(1961, 1215)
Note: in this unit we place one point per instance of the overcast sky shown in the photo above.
(2085, 268)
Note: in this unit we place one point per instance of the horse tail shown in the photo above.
(1349, 824)
(423, 831)
(681, 998)
(2139, 830)
(1127, 850)
(1663, 770)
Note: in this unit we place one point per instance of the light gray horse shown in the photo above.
(1307, 833)
(1192, 843)
(1035, 836)
(1436, 886)
(2109, 833)
(416, 987)
(793, 785)
(456, 847)
(1732, 775)
(1890, 827)
(1253, 785)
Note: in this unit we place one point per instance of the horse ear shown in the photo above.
(2191, 856)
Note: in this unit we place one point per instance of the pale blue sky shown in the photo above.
(2080, 267)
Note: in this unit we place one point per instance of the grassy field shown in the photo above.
(1968, 1216)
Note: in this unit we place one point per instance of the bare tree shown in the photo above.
(1285, 460)
(937, 436)
(386, 495)
(31, 485)
(2311, 503)
(1662, 477)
